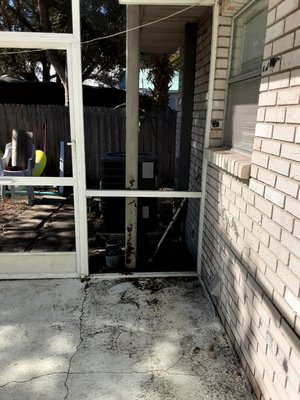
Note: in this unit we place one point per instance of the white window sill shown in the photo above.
(231, 161)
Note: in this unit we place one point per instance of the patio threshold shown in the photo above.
(142, 275)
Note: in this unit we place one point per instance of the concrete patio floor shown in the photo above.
(114, 340)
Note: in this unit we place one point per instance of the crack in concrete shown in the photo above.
(67, 373)
(139, 372)
(175, 363)
(133, 373)
(32, 379)
(81, 339)
(112, 329)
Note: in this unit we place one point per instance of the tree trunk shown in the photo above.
(46, 69)
(160, 74)
(60, 68)
(55, 59)
(69, 16)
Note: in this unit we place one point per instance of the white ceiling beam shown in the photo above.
(165, 32)
(168, 2)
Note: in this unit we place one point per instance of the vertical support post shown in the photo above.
(132, 128)
(189, 63)
(213, 59)
(61, 163)
(77, 139)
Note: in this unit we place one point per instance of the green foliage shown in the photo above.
(18, 16)
(162, 68)
(98, 18)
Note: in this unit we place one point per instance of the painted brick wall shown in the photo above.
(252, 230)
(219, 95)
(276, 158)
(198, 128)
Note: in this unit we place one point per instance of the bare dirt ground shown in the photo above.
(9, 209)
(48, 225)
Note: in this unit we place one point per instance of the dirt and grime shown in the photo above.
(151, 339)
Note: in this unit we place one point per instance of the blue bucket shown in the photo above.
(113, 253)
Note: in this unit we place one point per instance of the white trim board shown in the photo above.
(144, 193)
(185, 3)
(49, 275)
(37, 263)
(36, 181)
(138, 275)
(36, 40)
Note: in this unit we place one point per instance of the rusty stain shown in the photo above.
(132, 203)
(129, 248)
(129, 254)
(131, 184)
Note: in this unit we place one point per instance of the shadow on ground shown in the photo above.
(48, 225)
(121, 339)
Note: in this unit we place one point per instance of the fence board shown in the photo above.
(3, 125)
(104, 132)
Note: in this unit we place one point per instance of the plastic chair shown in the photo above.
(4, 161)
(5, 170)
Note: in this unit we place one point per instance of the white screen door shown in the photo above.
(56, 225)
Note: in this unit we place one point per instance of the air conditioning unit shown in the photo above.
(113, 177)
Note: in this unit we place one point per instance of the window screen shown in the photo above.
(243, 88)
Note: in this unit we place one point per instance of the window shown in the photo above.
(244, 79)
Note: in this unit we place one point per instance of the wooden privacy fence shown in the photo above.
(104, 130)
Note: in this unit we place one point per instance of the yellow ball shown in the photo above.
(40, 163)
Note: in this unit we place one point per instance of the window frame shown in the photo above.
(239, 78)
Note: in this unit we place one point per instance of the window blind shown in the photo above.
(242, 113)
(244, 81)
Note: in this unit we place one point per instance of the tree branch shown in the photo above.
(23, 20)
(54, 58)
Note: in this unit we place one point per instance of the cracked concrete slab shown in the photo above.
(50, 387)
(155, 339)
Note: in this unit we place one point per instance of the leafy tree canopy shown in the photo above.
(98, 18)
(102, 60)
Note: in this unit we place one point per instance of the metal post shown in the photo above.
(132, 127)
(77, 139)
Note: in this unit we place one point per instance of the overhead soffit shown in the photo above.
(167, 35)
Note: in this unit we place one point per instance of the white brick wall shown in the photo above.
(221, 76)
(252, 229)
(199, 113)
